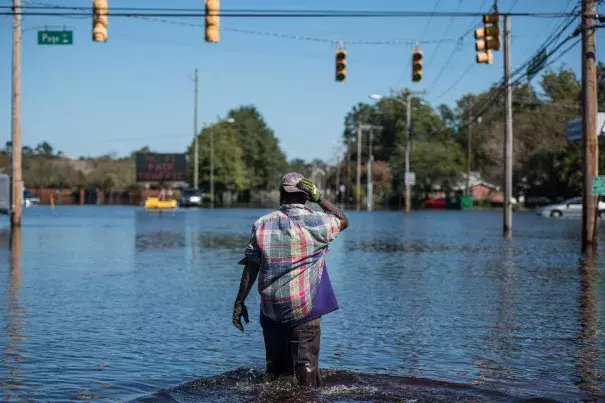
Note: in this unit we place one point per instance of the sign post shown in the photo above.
(410, 179)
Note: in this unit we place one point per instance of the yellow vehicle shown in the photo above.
(155, 203)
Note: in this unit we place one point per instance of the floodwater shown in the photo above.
(115, 303)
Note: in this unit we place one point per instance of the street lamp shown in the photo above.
(408, 118)
(230, 121)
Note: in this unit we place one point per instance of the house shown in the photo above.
(481, 190)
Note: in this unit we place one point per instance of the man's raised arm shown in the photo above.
(315, 196)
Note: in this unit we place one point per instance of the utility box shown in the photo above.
(466, 203)
(459, 203)
(5, 203)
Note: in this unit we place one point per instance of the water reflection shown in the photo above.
(587, 359)
(221, 240)
(500, 343)
(14, 354)
(159, 240)
(159, 230)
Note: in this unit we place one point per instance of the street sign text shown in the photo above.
(55, 37)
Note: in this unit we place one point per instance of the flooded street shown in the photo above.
(118, 303)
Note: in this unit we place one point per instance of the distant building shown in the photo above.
(481, 190)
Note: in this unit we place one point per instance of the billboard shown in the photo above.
(161, 167)
(574, 127)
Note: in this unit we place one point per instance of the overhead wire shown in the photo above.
(447, 28)
(559, 30)
(498, 90)
(471, 27)
(139, 11)
(387, 42)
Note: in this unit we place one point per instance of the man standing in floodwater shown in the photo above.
(288, 248)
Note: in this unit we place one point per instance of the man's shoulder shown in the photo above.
(272, 216)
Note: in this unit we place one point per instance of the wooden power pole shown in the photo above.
(16, 177)
(508, 134)
(358, 179)
(196, 135)
(589, 125)
(469, 148)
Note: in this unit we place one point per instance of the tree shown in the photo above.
(436, 164)
(44, 149)
(230, 172)
(561, 86)
(261, 154)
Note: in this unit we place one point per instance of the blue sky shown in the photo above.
(137, 89)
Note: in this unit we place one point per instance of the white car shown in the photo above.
(569, 208)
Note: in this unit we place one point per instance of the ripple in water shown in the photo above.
(253, 385)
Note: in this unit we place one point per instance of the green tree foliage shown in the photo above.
(262, 156)
(42, 167)
(545, 164)
(230, 171)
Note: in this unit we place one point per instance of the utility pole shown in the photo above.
(508, 134)
(338, 194)
(16, 178)
(408, 122)
(469, 148)
(212, 166)
(358, 195)
(370, 178)
(196, 144)
(589, 123)
(347, 181)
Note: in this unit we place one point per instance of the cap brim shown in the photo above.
(292, 189)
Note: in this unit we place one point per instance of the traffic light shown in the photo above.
(341, 65)
(485, 57)
(99, 20)
(417, 65)
(488, 38)
(213, 21)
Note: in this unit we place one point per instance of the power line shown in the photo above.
(471, 28)
(427, 25)
(457, 81)
(62, 11)
(497, 92)
(447, 28)
(389, 42)
(513, 6)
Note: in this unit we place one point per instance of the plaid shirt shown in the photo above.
(290, 245)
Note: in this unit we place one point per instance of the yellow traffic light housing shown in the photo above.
(341, 65)
(99, 20)
(488, 38)
(417, 63)
(213, 21)
(485, 57)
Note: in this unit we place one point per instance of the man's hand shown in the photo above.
(313, 194)
(239, 310)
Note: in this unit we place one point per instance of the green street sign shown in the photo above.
(598, 186)
(55, 37)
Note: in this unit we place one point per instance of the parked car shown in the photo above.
(435, 203)
(568, 208)
(191, 198)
